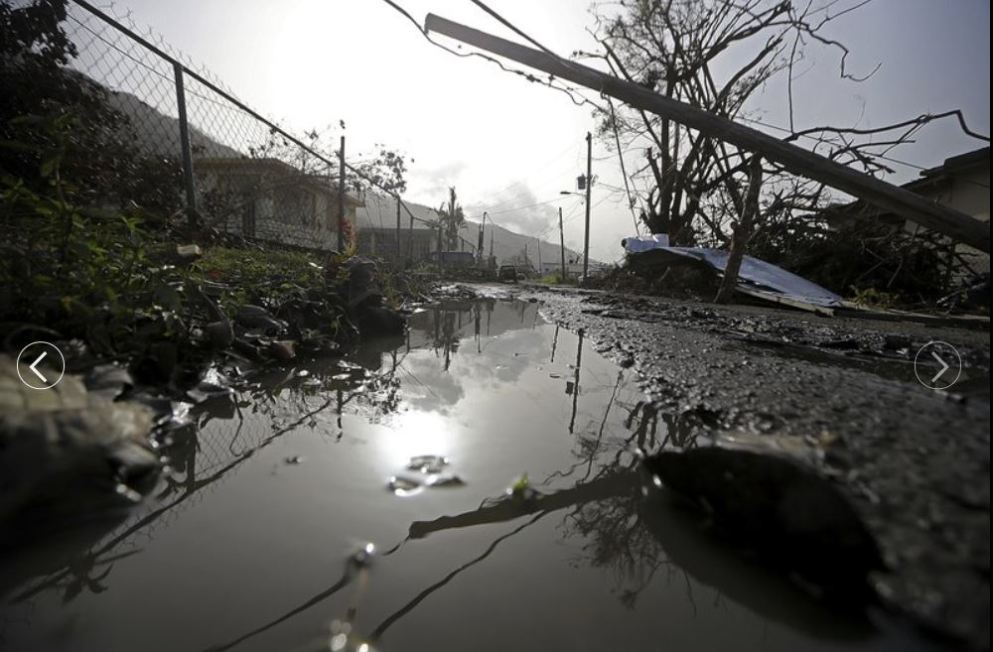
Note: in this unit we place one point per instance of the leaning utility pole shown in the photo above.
(589, 184)
(537, 244)
(341, 196)
(799, 161)
(561, 246)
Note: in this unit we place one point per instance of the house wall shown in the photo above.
(968, 192)
(289, 214)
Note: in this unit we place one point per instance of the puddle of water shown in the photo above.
(364, 502)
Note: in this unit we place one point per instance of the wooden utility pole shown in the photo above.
(797, 160)
(480, 250)
(537, 244)
(589, 185)
(742, 231)
(562, 246)
(341, 195)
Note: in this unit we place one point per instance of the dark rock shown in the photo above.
(774, 501)
(362, 283)
(109, 381)
(377, 321)
(896, 342)
(259, 319)
(283, 350)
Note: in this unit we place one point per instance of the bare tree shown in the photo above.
(676, 48)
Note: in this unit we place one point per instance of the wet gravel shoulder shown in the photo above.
(915, 462)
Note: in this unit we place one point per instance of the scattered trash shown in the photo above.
(445, 481)
(639, 243)
(293, 459)
(427, 463)
(213, 384)
(403, 486)
(186, 254)
(364, 555)
(521, 489)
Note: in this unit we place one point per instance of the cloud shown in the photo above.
(519, 209)
(435, 181)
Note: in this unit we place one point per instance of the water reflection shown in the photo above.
(590, 558)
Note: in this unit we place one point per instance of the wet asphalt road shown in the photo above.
(914, 461)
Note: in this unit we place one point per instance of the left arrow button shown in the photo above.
(41, 365)
(34, 366)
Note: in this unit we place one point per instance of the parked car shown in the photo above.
(507, 273)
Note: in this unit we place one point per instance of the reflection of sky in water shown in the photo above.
(242, 550)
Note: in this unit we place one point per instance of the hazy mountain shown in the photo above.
(380, 212)
(157, 133)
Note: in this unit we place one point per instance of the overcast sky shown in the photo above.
(506, 143)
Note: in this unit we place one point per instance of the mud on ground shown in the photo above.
(914, 461)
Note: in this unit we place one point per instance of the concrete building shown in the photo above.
(961, 182)
(267, 199)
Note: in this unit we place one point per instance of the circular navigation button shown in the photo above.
(937, 365)
(41, 365)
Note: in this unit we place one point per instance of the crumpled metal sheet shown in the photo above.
(762, 274)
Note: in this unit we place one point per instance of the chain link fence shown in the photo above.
(195, 147)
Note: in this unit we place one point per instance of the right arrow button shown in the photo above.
(938, 377)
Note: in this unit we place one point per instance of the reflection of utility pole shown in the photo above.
(575, 383)
(448, 333)
(479, 349)
(555, 342)
(589, 183)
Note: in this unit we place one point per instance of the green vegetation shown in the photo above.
(556, 279)
(96, 247)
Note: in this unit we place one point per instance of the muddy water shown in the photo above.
(260, 536)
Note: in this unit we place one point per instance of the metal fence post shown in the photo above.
(397, 265)
(341, 196)
(184, 144)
